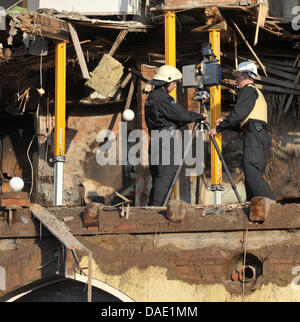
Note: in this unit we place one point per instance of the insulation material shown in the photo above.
(106, 75)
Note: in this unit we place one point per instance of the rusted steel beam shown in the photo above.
(153, 220)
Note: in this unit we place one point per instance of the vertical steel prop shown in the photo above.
(170, 59)
(215, 107)
(60, 121)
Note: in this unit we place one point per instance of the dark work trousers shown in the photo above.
(257, 145)
(161, 172)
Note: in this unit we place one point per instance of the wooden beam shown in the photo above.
(79, 53)
(261, 19)
(291, 97)
(278, 82)
(200, 218)
(130, 93)
(56, 227)
(218, 25)
(249, 46)
(118, 41)
(194, 4)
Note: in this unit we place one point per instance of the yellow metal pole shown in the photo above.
(170, 59)
(60, 99)
(170, 43)
(60, 121)
(215, 103)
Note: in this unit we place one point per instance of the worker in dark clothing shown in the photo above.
(163, 116)
(250, 116)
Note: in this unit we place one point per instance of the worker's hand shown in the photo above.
(218, 121)
(205, 116)
(212, 132)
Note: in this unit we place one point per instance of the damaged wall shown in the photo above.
(200, 267)
(84, 125)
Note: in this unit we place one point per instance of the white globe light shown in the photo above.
(128, 115)
(16, 184)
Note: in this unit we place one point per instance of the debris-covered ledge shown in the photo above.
(177, 217)
(39, 24)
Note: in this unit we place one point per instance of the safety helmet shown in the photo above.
(167, 74)
(247, 67)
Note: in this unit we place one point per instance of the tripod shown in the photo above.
(206, 125)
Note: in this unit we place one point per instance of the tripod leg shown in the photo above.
(180, 167)
(226, 170)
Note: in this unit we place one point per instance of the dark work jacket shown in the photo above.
(247, 97)
(161, 111)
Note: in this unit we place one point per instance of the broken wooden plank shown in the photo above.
(264, 87)
(126, 80)
(56, 227)
(235, 50)
(249, 46)
(130, 93)
(262, 15)
(217, 25)
(79, 53)
(278, 82)
(118, 41)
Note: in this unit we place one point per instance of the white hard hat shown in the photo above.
(247, 67)
(168, 74)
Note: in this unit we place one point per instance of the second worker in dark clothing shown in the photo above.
(250, 116)
(163, 116)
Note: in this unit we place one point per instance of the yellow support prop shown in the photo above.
(170, 59)
(170, 43)
(215, 107)
(60, 99)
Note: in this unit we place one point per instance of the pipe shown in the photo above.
(250, 270)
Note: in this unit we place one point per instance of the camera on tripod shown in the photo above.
(206, 74)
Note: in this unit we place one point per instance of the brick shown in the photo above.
(208, 278)
(287, 260)
(208, 261)
(181, 261)
(280, 268)
(15, 202)
(274, 260)
(216, 269)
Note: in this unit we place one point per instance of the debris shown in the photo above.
(106, 75)
(249, 46)
(177, 210)
(91, 215)
(68, 219)
(259, 208)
